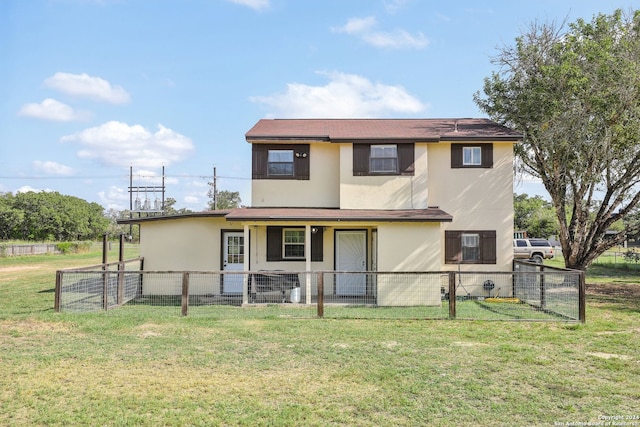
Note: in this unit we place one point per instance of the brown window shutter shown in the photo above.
(259, 161)
(274, 243)
(317, 244)
(361, 159)
(452, 247)
(456, 156)
(406, 159)
(301, 162)
(488, 247)
(487, 155)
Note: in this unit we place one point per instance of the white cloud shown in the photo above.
(191, 200)
(28, 188)
(148, 177)
(364, 28)
(114, 198)
(53, 110)
(253, 4)
(357, 25)
(52, 168)
(398, 39)
(84, 85)
(345, 96)
(118, 144)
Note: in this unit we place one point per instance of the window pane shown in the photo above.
(471, 156)
(280, 156)
(293, 243)
(285, 169)
(470, 247)
(384, 151)
(280, 163)
(383, 165)
(384, 159)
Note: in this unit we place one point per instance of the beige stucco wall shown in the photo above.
(383, 192)
(409, 247)
(320, 191)
(188, 244)
(478, 199)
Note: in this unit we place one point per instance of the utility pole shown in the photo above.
(215, 190)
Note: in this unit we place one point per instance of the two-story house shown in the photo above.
(390, 195)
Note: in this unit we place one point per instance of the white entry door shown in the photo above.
(351, 255)
(233, 260)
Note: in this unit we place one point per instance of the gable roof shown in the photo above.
(360, 130)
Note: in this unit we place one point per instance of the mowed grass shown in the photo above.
(153, 367)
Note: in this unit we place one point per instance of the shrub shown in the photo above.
(73, 247)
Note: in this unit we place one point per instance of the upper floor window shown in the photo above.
(280, 163)
(472, 155)
(384, 159)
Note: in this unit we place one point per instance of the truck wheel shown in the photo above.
(537, 258)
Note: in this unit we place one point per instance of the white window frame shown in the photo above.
(384, 152)
(279, 162)
(471, 156)
(470, 246)
(290, 243)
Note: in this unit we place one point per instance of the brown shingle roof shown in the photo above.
(416, 130)
(326, 214)
(308, 214)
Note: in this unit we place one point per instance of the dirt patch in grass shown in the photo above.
(613, 289)
(19, 268)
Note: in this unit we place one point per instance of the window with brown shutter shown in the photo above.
(458, 151)
(275, 245)
(459, 247)
(280, 161)
(364, 166)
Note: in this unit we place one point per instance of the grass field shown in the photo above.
(143, 367)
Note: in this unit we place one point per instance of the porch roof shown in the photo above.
(432, 214)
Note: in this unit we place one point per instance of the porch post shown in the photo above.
(246, 266)
(307, 257)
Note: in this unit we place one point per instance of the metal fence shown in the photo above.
(530, 292)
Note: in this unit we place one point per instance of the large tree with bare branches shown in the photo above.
(574, 92)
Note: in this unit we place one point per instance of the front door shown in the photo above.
(233, 260)
(351, 255)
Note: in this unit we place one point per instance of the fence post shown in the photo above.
(121, 270)
(140, 279)
(582, 315)
(185, 293)
(105, 289)
(56, 304)
(320, 286)
(543, 301)
(452, 295)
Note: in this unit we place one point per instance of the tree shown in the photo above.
(50, 216)
(575, 95)
(224, 199)
(535, 215)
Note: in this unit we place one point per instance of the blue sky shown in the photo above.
(90, 88)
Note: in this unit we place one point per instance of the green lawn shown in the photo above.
(152, 367)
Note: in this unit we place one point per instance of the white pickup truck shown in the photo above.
(536, 250)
